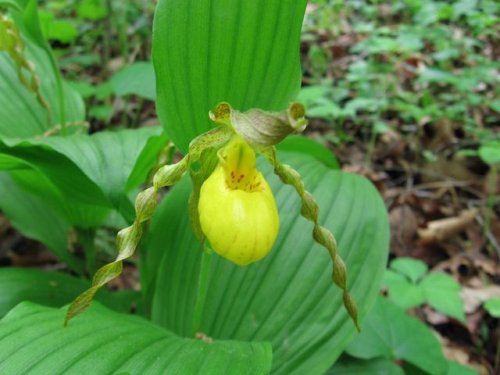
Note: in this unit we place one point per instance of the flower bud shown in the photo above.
(237, 209)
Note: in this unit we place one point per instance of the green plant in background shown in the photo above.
(90, 29)
(278, 315)
(393, 342)
(390, 336)
(493, 307)
(489, 153)
(426, 68)
(410, 285)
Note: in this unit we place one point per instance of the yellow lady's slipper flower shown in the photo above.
(237, 209)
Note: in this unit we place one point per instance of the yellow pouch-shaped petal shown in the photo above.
(237, 209)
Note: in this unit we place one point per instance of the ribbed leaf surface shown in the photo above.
(21, 115)
(205, 52)
(95, 170)
(390, 333)
(105, 342)
(288, 298)
(51, 289)
(57, 183)
(109, 158)
(39, 214)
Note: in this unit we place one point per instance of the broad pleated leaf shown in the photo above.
(38, 216)
(39, 187)
(96, 170)
(63, 173)
(58, 183)
(388, 332)
(304, 145)
(10, 3)
(101, 341)
(21, 115)
(53, 289)
(109, 158)
(205, 52)
(288, 298)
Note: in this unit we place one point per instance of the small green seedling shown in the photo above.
(410, 285)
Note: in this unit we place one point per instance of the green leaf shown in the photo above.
(103, 90)
(85, 89)
(298, 143)
(53, 289)
(378, 44)
(21, 115)
(11, 3)
(32, 23)
(380, 127)
(439, 290)
(96, 170)
(101, 112)
(490, 152)
(79, 213)
(92, 9)
(389, 333)
(102, 341)
(34, 215)
(442, 292)
(436, 75)
(63, 31)
(463, 7)
(403, 292)
(136, 79)
(309, 95)
(48, 193)
(84, 59)
(392, 278)
(378, 366)
(455, 368)
(495, 105)
(493, 307)
(288, 297)
(207, 52)
(63, 173)
(109, 158)
(412, 268)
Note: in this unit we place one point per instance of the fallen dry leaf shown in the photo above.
(403, 229)
(442, 229)
(434, 317)
(474, 297)
(443, 168)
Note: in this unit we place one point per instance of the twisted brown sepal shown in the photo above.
(321, 235)
(261, 128)
(128, 239)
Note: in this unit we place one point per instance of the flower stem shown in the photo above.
(86, 238)
(201, 293)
